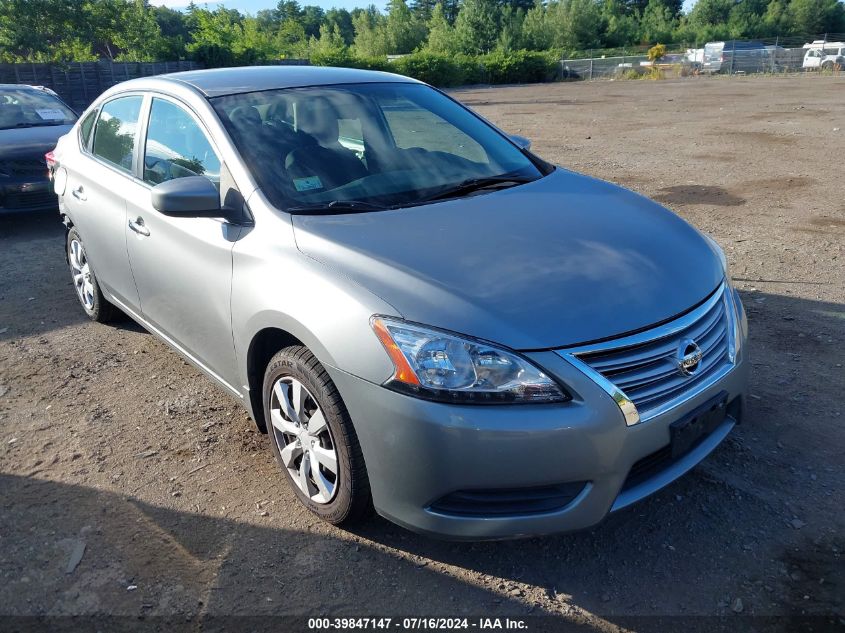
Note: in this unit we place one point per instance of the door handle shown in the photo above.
(79, 193)
(138, 226)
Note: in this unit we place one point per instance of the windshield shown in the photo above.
(28, 107)
(363, 147)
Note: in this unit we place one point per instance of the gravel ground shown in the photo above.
(131, 486)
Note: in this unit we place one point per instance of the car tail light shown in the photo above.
(50, 158)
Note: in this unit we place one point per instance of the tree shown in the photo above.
(139, 36)
(815, 17)
(330, 44)
(711, 13)
(370, 33)
(214, 36)
(510, 34)
(312, 19)
(776, 19)
(342, 19)
(536, 34)
(252, 43)
(174, 32)
(574, 24)
(441, 34)
(620, 28)
(657, 23)
(291, 40)
(423, 9)
(476, 27)
(288, 10)
(404, 32)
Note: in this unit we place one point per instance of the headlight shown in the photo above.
(440, 366)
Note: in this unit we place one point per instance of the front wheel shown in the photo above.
(88, 291)
(313, 438)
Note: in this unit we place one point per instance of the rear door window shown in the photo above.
(115, 131)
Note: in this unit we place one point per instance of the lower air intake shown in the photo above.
(501, 502)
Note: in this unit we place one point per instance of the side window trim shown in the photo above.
(100, 106)
(141, 144)
(94, 114)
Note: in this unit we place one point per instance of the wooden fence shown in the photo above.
(79, 83)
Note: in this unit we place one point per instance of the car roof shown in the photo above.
(226, 81)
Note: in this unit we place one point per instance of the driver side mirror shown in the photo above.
(521, 142)
(190, 197)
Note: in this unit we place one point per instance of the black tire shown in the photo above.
(352, 501)
(99, 310)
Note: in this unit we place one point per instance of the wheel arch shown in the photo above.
(262, 347)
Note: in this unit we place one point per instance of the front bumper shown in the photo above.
(29, 196)
(418, 452)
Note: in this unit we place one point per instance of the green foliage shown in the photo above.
(433, 68)
(446, 42)
(497, 67)
(658, 23)
(370, 33)
(476, 27)
(501, 67)
(404, 32)
(441, 34)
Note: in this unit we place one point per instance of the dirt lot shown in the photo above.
(110, 442)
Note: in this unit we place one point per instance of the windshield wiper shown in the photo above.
(22, 125)
(337, 206)
(477, 184)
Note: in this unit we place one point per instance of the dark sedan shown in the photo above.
(31, 121)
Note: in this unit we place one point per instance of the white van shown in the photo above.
(824, 55)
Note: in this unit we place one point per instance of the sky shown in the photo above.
(254, 6)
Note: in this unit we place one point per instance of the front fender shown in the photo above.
(276, 286)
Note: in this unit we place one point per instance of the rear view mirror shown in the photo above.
(191, 197)
(521, 142)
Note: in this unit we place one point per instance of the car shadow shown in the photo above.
(74, 550)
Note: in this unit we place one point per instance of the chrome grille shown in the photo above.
(645, 367)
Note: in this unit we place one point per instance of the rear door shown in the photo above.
(97, 182)
(183, 266)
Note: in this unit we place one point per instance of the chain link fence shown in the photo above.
(821, 53)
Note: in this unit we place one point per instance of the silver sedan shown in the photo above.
(426, 317)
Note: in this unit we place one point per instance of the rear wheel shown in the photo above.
(313, 438)
(88, 291)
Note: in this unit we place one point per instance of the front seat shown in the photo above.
(324, 157)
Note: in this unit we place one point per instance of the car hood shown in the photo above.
(30, 141)
(562, 260)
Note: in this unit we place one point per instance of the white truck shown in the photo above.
(823, 55)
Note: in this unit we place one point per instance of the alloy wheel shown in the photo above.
(304, 439)
(81, 272)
